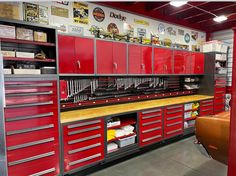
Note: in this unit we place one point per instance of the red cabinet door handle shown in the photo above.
(165, 67)
(198, 67)
(183, 68)
(142, 66)
(79, 65)
(115, 65)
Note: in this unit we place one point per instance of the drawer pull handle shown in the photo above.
(172, 124)
(221, 103)
(174, 131)
(151, 138)
(174, 107)
(84, 148)
(84, 139)
(207, 101)
(210, 109)
(30, 129)
(28, 85)
(85, 159)
(29, 117)
(151, 111)
(44, 172)
(30, 144)
(31, 158)
(28, 94)
(84, 130)
(150, 130)
(150, 123)
(172, 112)
(151, 116)
(29, 104)
(84, 124)
(209, 104)
(220, 92)
(175, 117)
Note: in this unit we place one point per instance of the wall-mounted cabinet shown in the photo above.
(163, 62)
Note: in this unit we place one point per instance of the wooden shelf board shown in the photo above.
(26, 42)
(28, 59)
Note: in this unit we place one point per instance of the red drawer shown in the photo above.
(203, 102)
(206, 112)
(173, 120)
(218, 100)
(46, 164)
(174, 110)
(206, 107)
(219, 107)
(151, 112)
(173, 129)
(151, 135)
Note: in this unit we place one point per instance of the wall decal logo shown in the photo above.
(98, 14)
(117, 16)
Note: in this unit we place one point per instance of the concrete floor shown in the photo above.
(177, 159)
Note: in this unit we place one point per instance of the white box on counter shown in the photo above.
(7, 31)
(24, 55)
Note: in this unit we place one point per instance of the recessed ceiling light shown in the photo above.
(220, 18)
(178, 3)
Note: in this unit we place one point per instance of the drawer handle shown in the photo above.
(84, 130)
(31, 158)
(151, 138)
(174, 131)
(28, 94)
(150, 123)
(30, 129)
(84, 148)
(29, 104)
(217, 98)
(28, 85)
(84, 124)
(174, 107)
(209, 104)
(220, 92)
(29, 117)
(172, 124)
(44, 172)
(207, 101)
(175, 117)
(84, 139)
(151, 116)
(150, 130)
(172, 112)
(85, 159)
(221, 103)
(30, 144)
(207, 109)
(151, 111)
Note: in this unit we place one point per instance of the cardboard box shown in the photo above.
(24, 55)
(8, 53)
(40, 36)
(214, 46)
(7, 31)
(27, 71)
(24, 34)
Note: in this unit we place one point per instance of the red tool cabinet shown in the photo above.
(173, 120)
(139, 59)
(76, 55)
(31, 123)
(163, 61)
(219, 99)
(206, 107)
(182, 62)
(111, 57)
(150, 123)
(83, 143)
(197, 63)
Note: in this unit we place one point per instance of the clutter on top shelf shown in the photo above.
(214, 46)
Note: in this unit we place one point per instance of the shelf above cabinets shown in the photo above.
(27, 42)
(28, 59)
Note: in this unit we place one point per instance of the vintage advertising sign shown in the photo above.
(117, 16)
(76, 30)
(43, 15)
(31, 12)
(9, 10)
(141, 32)
(80, 13)
(98, 14)
(61, 12)
(141, 22)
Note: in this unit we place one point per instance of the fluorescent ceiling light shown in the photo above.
(178, 3)
(220, 18)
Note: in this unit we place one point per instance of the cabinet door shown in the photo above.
(163, 62)
(119, 58)
(134, 57)
(66, 50)
(146, 60)
(182, 61)
(197, 63)
(84, 55)
(104, 57)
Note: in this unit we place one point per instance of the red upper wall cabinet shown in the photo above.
(66, 51)
(182, 62)
(84, 55)
(111, 57)
(163, 62)
(197, 63)
(76, 55)
(140, 59)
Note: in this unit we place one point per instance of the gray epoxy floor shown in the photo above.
(177, 159)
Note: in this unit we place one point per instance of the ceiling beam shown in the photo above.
(153, 6)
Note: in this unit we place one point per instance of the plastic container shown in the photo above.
(126, 141)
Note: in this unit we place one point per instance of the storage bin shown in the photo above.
(8, 53)
(214, 46)
(24, 34)
(126, 141)
(40, 36)
(48, 70)
(27, 71)
(7, 31)
(25, 55)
